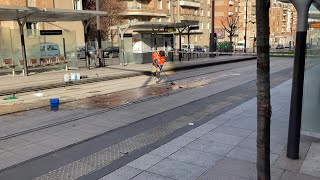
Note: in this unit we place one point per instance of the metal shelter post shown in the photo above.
(155, 38)
(99, 35)
(21, 23)
(293, 143)
(180, 33)
(188, 35)
(85, 27)
(245, 28)
(180, 55)
(212, 34)
(122, 43)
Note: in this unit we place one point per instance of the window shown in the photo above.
(159, 4)
(196, 38)
(208, 13)
(31, 3)
(29, 25)
(208, 1)
(195, 12)
(201, 12)
(201, 24)
(208, 25)
(77, 4)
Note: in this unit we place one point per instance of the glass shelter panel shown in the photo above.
(311, 94)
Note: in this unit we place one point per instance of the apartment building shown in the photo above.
(283, 21)
(198, 11)
(225, 9)
(72, 29)
(173, 11)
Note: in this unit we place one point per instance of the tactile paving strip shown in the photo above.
(104, 157)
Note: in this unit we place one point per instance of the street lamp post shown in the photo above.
(245, 28)
(293, 142)
(212, 34)
(99, 35)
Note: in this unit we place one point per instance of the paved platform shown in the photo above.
(14, 84)
(225, 148)
(222, 88)
(221, 148)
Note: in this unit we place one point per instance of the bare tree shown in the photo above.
(114, 9)
(230, 24)
(264, 110)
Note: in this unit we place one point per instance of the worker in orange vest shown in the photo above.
(158, 59)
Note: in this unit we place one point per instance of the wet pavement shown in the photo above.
(25, 120)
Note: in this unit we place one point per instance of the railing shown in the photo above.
(137, 6)
(196, 1)
(191, 3)
(189, 55)
(189, 17)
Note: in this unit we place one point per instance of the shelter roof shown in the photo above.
(35, 14)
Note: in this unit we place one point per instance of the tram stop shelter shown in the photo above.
(33, 14)
(154, 28)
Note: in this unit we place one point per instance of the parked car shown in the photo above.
(185, 47)
(279, 46)
(81, 52)
(239, 46)
(205, 48)
(110, 52)
(198, 49)
(49, 49)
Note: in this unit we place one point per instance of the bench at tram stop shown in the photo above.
(8, 63)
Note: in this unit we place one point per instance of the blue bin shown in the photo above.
(54, 103)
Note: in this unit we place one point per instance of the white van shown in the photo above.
(185, 47)
(239, 46)
(49, 49)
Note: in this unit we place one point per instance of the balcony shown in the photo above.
(231, 3)
(137, 6)
(284, 1)
(138, 9)
(190, 3)
(184, 17)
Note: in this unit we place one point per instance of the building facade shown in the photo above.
(173, 11)
(283, 22)
(283, 19)
(224, 10)
(76, 28)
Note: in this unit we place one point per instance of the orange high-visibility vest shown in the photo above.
(156, 56)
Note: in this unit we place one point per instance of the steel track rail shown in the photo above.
(112, 108)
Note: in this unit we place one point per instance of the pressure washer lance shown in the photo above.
(171, 82)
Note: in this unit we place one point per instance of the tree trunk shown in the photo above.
(231, 47)
(263, 90)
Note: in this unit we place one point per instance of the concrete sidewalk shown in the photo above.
(49, 80)
(225, 148)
